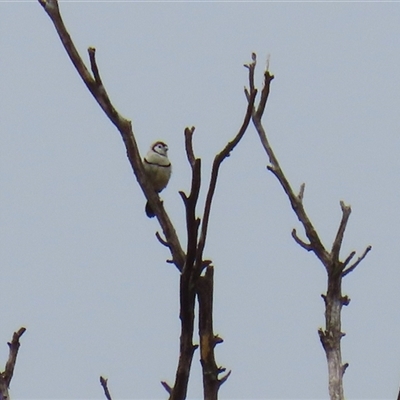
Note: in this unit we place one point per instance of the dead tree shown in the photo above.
(196, 273)
(336, 269)
(7, 374)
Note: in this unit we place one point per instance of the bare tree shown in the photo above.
(7, 374)
(336, 269)
(196, 273)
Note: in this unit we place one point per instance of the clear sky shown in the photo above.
(81, 268)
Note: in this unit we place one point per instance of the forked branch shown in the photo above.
(334, 300)
(191, 279)
(124, 126)
(359, 259)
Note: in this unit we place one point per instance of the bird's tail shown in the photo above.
(149, 211)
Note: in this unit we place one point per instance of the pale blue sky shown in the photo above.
(81, 268)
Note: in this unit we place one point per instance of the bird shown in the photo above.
(158, 169)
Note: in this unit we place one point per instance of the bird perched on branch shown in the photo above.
(158, 169)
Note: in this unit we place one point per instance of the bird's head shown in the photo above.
(160, 148)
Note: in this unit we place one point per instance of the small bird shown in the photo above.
(158, 169)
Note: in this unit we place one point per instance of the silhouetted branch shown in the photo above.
(186, 347)
(167, 387)
(193, 223)
(187, 288)
(194, 260)
(224, 378)
(337, 243)
(331, 336)
(251, 67)
(295, 201)
(301, 191)
(189, 145)
(304, 245)
(208, 340)
(265, 91)
(194, 256)
(190, 264)
(7, 374)
(95, 69)
(161, 240)
(96, 88)
(348, 259)
(194, 264)
(219, 158)
(104, 383)
(359, 259)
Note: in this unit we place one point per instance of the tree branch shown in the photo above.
(348, 259)
(301, 191)
(304, 245)
(359, 259)
(123, 125)
(187, 279)
(295, 201)
(103, 382)
(161, 240)
(7, 374)
(189, 145)
(95, 69)
(219, 158)
(187, 305)
(334, 300)
(166, 387)
(193, 223)
(264, 93)
(208, 340)
(337, 243)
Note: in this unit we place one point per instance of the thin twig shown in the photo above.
(337, 243)
(265, 92)
(301, 191)
(300, 242)
(189, 145)
(12, 358)
(251, 67)
(348, 259)
(6, 376)
(104, 383)
(167, 387)
(224, 378)
(94, 67)
(161, 240)
(193, 223)
(359, 259)
(219, 158)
